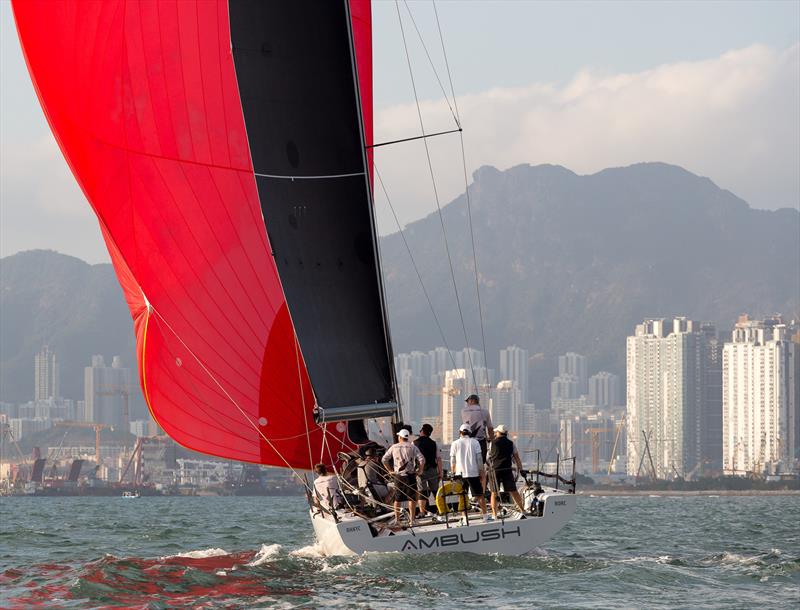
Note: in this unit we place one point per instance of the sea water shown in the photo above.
(234, 552)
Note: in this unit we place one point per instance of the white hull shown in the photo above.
(353, 535)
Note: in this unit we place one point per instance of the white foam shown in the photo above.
(312, 551)
(265, 553)
(202, 554)
(728, 558)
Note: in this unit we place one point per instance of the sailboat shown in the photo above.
(226, 149)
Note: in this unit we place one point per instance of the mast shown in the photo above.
(368, 178)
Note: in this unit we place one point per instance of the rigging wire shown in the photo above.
(456, 118)
(414, 264)
(436, 197)
(466, 181)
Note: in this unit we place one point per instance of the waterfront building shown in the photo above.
(106, 392)
(205, 473)
(760, 398)
(46, 374)
(514, 366)
(669, 370)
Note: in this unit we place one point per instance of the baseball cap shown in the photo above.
(465, 428)
(501, 429)
(474, 397)
(403, 433)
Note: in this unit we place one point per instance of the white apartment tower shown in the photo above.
(760, 398)
(453, 394)
(46, 375)
(669, 370)
(514, 366)
(505, 403)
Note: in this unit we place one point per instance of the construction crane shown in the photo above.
(135, 461)
(612, 462)
(596, 432)
(97, 428)
(646, 454)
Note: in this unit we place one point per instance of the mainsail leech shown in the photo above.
(144, 102)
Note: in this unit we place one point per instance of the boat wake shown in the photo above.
(196, 578)
(274, 575)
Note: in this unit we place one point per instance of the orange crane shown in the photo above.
(596, 432)
(97, 428)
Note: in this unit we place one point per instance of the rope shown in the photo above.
(466, 181)
(230, 398)
(436, 196)
(303, 399)
(414, 264)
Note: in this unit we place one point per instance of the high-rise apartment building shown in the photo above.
(106, 392)
(454, 392)
(514, 366)
(604, 389)
(564, 389)
(505, 403)
(46, 374)
(669, 369)
(575, 365)
(760, 398)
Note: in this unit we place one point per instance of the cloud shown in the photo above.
(733, 118)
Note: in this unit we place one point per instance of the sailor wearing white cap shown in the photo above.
(407, 462)
(466, 461)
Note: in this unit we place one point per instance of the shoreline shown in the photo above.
(683, 493)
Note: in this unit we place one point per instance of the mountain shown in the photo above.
(571, 262)
(567, 262)
(75, 308)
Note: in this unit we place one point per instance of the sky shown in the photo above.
(711, 86)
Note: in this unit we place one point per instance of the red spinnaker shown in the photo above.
(143, 100)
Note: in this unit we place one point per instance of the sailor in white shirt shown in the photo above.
(466, 460)
(326, 488)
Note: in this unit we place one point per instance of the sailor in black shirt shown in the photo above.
(428, 481)
(501, 456)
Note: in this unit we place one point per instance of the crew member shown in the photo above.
(375, 475)
(501, 456)
(326, 488)
(466, 461)
(407, 463)
(479, 421)
(428, 481)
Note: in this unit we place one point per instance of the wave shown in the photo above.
(201, 554)
(266, 553)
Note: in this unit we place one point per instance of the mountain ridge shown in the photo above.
(566, 262)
